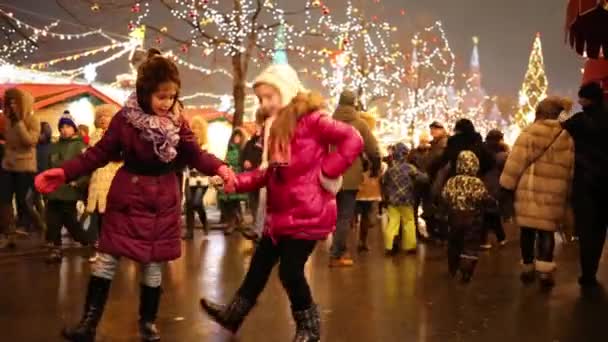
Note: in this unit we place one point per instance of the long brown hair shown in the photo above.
(284, 125)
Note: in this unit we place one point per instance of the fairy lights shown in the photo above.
(534, 88)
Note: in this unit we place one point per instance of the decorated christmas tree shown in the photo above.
(534, 88)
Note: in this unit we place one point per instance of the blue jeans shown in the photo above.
(347, 201)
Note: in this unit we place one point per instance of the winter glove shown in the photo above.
(330, 185)
(228, 177)
(50, 180)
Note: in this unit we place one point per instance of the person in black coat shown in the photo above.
(251, 158)
(590, 185)
(465, 138)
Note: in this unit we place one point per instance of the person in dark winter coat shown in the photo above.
(196, 184)
(43, 149)
(398, 187)
(231, 203)
(492, 219)
(465, 197)
(590, 185)
(142, 218)
(465, 138)
(252, 159)
(62, 210)
(347, 197)
(434, 222)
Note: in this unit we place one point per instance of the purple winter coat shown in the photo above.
(142, 218)
(297, 206)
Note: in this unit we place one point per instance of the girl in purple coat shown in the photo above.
(142, 219)
(302, 182)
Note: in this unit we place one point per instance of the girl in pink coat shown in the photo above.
(142, 217)
(301, 180)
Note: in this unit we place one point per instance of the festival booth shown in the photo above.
(51, 100)
(587, 33)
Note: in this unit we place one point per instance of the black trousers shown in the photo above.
(63, 214)
(369, 218)
(536, 244)
(194, 205)
(493, 222)
(591, 221)
(17, 184)
(291, 254)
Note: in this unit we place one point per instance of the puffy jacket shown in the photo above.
(399, 181)
(62, 151)
(22, 138)
(542, 189)
(142, 219)
(101, 180)
(297, 205)
(354, 175)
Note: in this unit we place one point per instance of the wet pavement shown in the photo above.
(406, 298)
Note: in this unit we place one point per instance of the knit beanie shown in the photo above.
(67, 119)
(284, 78)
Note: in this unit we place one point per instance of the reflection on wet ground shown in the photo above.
(406, 298)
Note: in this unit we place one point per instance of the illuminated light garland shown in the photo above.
(78, 71)
(375, 71)
(70, 58)
(45, 32)
(191, 66)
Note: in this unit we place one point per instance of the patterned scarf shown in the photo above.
(161, 131)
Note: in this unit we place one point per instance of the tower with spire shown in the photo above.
(475, 95)
(280, 46)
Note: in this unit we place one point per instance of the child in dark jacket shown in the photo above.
(61, 210)
(465, 196)
(398, 187)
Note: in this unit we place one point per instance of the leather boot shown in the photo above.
(545, 271)
(467, 268)
(229, 316)
(189, 235)
(7, 226)
(528, 274)
(148, 309)
(202, 216)
(97, 295)
(308, 325)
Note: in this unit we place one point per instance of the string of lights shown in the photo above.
(46, 32)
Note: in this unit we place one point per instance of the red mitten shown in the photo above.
(228, 177)
(50, 180)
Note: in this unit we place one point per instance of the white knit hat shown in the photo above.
(284, 78)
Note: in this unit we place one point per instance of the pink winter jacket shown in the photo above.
(298, 207)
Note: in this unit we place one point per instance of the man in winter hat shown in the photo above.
(347, 197)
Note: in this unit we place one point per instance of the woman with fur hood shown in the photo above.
(19, 165)
(539, 173)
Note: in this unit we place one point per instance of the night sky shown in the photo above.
(506, 30)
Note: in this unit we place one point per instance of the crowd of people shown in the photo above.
(304, 176)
